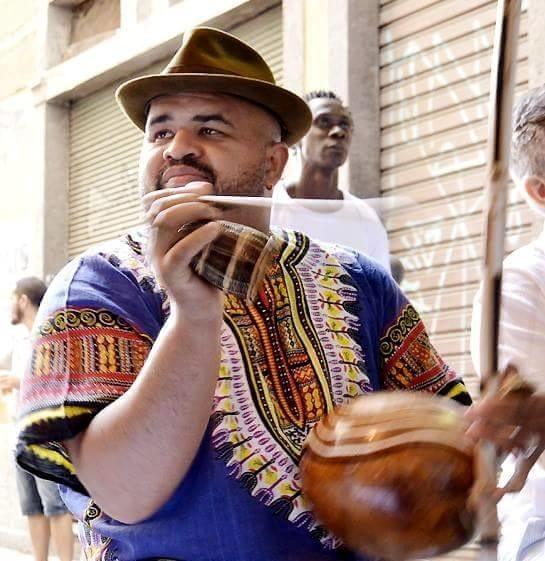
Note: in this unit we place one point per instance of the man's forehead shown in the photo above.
(194, 100)
(321, 105)
(231, 107)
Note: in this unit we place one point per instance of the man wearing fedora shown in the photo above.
(172, 413)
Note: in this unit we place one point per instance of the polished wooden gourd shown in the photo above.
(236, 260)
(390, 474)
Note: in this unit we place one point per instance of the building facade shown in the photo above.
(414, 72)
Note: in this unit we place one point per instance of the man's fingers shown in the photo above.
(527, 412)
(183, 252)
(168, 225)
(506, 437)
(171, 211)
(159, 204)
(174, 217)
(192, 190)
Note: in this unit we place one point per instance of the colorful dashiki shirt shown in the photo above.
(328, 325)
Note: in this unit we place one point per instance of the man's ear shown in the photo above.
(23, 301)
(534, 185)
(277, 156)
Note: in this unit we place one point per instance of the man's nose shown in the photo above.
(337, 132)
(182, 144)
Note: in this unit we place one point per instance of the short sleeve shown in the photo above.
(408, 359)
(93, 333)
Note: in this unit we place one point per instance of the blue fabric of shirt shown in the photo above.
(210, 516)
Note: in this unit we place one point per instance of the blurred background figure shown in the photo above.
(518, 420)
(321, 153)
(397, 269)
(40, 500)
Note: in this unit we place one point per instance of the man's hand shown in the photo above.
(513, 422)
(171, 250)
(9, 383)
(156, 427)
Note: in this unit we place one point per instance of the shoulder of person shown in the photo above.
(357, 261)
(525, 264)
(365, 209)
(112, 275)
(280, 191)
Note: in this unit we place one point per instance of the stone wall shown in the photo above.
(19, 22)
(92, 21)
(18, 53)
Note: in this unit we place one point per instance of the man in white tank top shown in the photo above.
(347, 220)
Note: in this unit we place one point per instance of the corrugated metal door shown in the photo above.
(104, 148)
(434, 84)
(435, 71)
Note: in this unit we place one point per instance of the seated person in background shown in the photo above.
(514, 421)
(323, 151)
(397, 269)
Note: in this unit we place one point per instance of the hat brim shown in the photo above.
(293, 113)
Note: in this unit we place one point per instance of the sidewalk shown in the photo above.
(13, 555)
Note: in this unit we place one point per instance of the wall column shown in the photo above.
(49, 250)
(293, 40)
(353, 61)
(334, 45)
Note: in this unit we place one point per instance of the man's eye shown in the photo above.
(207, 131)
(323, 123)
(162, 135)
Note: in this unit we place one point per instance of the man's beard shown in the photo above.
(16, 316)
(249, 182)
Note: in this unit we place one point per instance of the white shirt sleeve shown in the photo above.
(522, 327)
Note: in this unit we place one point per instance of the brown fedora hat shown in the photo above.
(212, 61)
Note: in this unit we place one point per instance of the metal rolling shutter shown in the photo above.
(435, 68)
(435, 58)
(104, 148)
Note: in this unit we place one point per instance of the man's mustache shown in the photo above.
(189, 161)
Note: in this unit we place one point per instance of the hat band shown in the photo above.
(196, 69)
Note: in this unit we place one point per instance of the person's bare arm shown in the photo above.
(8, 382)
(136, 451)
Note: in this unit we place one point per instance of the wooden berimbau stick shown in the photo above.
(380, 204)
(497, 175)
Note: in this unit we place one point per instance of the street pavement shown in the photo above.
(12, 555)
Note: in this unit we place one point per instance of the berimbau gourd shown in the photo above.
(390, 474)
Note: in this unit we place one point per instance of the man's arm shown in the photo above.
(408, 359)
(511, 422)
(8, 382)
(147, 438)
